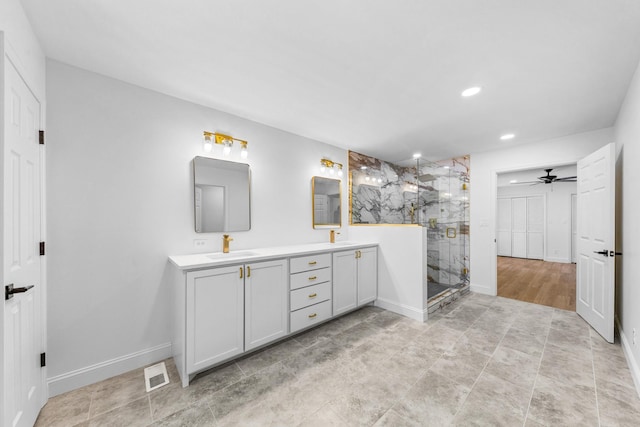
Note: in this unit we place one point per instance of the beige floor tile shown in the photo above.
(476, 362)
(133, 414)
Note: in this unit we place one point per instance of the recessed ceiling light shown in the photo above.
(507, 136)
(471, 91)
(417, 155)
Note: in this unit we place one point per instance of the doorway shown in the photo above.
(535, 236)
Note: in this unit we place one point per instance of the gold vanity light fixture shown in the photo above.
(331, 166)
(226, 141)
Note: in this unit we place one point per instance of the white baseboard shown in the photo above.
(107, 369)
(402, 309)
(481, 289)
(562, 260)
(628, 354)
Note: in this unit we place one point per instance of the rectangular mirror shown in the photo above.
(221, 195)
(327, 202)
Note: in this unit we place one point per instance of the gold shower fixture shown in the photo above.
(226, 141)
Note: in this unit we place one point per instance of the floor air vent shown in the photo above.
(155, 376)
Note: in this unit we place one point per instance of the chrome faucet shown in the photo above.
(332, 236)
(225, 243)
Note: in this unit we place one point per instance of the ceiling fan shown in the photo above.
(548, 179)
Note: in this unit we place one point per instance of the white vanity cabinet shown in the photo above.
(226, 305)
(214, 316)
(310, 284)
(355, 278)
(227, 311)
(265, 303)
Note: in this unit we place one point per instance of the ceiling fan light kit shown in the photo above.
(547, 179)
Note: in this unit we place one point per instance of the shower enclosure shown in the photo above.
(442, 207)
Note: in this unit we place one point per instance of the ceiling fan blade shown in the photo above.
(525, 182)
(567, 179)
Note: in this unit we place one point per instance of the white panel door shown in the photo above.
(23, 313)
(595, 285)
(266, 309)
(345, 281)
(504, 227)
(519, 227)
(535, 227)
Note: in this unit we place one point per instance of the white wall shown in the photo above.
(484, 168)
(121, 201)
(627, 134)
(402, 263)
(558, 215)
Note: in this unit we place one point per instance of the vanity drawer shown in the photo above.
(311, 262)
(307, 278)
(310, 295)
(309, 316)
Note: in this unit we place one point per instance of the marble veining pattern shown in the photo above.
(482, 360)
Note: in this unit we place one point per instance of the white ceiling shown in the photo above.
(379, 77)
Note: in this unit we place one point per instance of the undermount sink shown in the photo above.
(343, 243)
(232, 254)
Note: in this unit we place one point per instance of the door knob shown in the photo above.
(605, 252)
(9, 290)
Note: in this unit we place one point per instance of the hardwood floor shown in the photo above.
(548, 283)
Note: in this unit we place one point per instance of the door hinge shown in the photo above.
(43, 360)
(41, 137)
(41, 248)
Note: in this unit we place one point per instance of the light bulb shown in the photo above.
(244, 152)
(323, 168)
(207, 143)
(367, 178)
(379, 180)
(332, 171)
(227, 149)
(340, 172)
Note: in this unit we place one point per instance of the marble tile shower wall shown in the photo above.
(386, 193)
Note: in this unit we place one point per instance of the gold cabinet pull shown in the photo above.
(248, 271)
(313, 295)
(313, 262)
(311, 316)
(358, 254)
(313, 278)
(241, 272)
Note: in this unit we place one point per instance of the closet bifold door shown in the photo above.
(504, 227)
(535, 227)
(519, 227)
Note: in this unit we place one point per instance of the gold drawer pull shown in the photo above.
(313, 262)
(313, 295)
(311, 316)
(312, 278)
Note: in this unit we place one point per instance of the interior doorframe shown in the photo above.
(494, 207)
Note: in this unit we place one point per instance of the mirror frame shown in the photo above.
(195, 186)
(313, 204)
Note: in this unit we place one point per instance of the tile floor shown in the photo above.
(485, 361)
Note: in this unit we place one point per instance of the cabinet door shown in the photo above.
(345, 276)
(504, 227)
(519, 227)
(266, 302)
(367, 275)
(215, 320)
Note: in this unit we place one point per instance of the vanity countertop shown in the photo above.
(218, 259)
